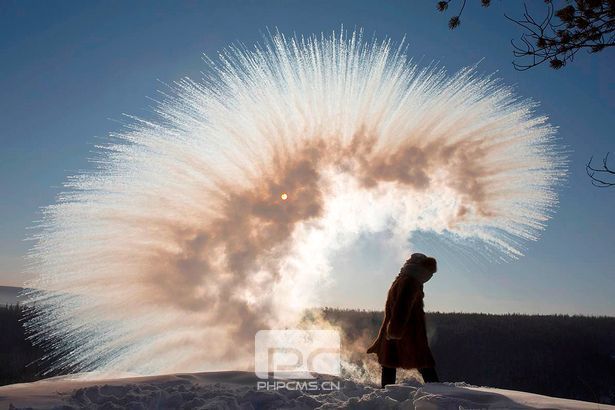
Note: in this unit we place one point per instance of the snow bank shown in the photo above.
(237, 390)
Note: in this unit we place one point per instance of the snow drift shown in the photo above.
(236, 390)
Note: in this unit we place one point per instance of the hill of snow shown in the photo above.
(238, 390)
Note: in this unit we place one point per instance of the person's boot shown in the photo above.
(388, 376)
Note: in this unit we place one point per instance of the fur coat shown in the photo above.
(402, 340)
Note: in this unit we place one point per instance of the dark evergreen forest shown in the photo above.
(562, 356)
(556, 355)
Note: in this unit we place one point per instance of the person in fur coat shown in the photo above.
(402, 340)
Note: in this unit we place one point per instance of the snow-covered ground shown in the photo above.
(238, 390)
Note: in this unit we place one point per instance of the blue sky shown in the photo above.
(69, 70)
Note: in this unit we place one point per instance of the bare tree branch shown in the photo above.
(603, 177)
(558, 37)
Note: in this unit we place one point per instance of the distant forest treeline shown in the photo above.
(556, 355)
(18, 358)
(562, 356)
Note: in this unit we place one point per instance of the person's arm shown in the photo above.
(401, 307)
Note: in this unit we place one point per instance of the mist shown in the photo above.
(222, 216)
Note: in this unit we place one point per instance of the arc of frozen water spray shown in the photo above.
(179, 246)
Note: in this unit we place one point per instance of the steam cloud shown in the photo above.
(179, 246)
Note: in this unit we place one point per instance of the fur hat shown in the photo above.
(417, 258)
(423, 260)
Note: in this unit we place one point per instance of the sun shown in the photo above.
(284, 196)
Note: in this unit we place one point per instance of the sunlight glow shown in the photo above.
(172, 252)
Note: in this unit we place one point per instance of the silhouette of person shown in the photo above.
(402, 340)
